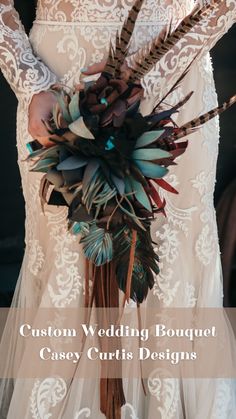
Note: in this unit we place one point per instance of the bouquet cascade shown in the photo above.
(107, 166)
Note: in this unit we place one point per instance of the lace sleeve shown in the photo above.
(24, 71)
(193, 45)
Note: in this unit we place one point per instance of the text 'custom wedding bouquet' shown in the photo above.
(107, 165)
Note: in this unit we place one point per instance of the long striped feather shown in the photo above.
(147, 58)
(110, 68)
(117, 56)
(126, 33)
(177, 83)
(189, 127)
(183, 101)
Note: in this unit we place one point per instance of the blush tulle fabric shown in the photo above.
(66, 37)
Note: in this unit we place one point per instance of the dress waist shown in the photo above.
(94, 24)
(110, 12)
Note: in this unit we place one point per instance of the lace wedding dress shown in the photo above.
(67, 36)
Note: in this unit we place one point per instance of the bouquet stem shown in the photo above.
(106, 294)
(111, 397)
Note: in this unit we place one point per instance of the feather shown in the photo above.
(131, 265)
(177, 83)
(145, 263)
(156, 119)
(183, 101)
(117, 55)
(110, 66)
(163, 184)
(156, 197)
(189, 127)
(126, 33)
(43, 190)
(97, 245)
(159, 47)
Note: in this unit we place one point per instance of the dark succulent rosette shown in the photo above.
(106, 166)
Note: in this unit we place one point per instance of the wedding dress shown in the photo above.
(67, 36)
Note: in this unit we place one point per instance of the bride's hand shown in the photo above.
(40, 109)
(41, 105)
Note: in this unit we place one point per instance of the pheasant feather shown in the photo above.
(110, 64)
(189, 127)
(118, 54)
(183, 101)
(160, 46)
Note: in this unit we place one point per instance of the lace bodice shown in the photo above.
(27, 74)
(112, 11)
(23, 70)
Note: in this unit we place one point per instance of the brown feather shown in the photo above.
(177, 83)
(190, 127)
(110, 66)
(43, 190)
(117, 56)
(159, 47)
(183, 101)
(126, 34)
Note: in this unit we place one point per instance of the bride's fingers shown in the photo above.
(45, 142)
(94, 68)
(78, 87)
(39, 132)
(37, 128)
(125, 70)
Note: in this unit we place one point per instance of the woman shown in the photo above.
(66, 38)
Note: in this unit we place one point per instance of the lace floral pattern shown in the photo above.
(68, 36)
(36, 257)
(45, 396)
(110, 11)
(166, 392)
(23, 70)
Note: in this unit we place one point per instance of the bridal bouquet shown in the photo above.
(109, 162)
